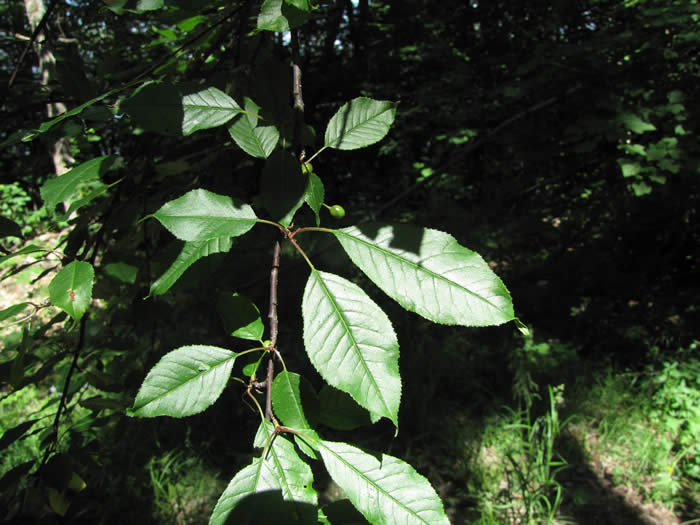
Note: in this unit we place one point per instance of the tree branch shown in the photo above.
(37, 30)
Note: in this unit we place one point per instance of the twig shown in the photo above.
(39, 27)
(268, 391)
(298, 95)
(274, 328)
(64, 394)
(272, 315)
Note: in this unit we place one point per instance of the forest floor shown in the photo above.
(593, 489)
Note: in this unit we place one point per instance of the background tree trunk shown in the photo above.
(60, 148)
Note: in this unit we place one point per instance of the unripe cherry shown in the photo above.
(337, 211)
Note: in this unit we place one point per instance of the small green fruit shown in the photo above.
(337, 211)
(308, 167)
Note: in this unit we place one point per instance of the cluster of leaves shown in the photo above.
(611, 184)
(675, 408)
(348, 338)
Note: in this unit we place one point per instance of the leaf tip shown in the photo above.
(522, 327)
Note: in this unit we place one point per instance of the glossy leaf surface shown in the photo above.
(71, 289)
(426, 271)
(201, 215)
(352, 343)
(359, 123)
(184, 382)
(386, 492)
(191, 252)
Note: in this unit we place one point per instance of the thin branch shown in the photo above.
(39, 27)
(269, 415)
(64, 394)
(298, 95)
(274, 328)
(274, 274)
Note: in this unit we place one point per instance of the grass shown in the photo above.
(545, 456)
(615, 444)
(185, 489)
(644, 427)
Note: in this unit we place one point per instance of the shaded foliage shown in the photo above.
(558, 141)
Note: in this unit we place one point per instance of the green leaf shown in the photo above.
(277, 15)
(26, 135)
(629, 168)
(208, 108)
(635, 124)
(123, 272)
(299, 4)
(339, 411)
(351, 342)
(200, 215)
(14, 475)
(98, 188)
(12, 311)
(184, 382)
(283, 186)
(63, 187)
(288, 389)
(171, 110)
(240, 316)
(314, 195)
(9, 228)
(386, 492)
(13, 434)
(359, 123)
(191, 252)
(426, 271)
(71, 289)
(24, 250)
(257, 142)
(281, 471)
(132, 6)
